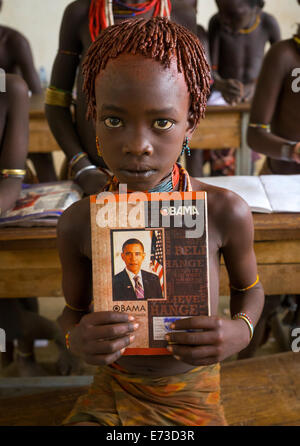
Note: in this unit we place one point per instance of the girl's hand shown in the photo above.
(296, 153)
(101, 338)
(208, 339)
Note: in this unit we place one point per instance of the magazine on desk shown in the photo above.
(41, 204)
(150, 259)
(265, 193)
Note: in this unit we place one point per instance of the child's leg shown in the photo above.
(44, 166)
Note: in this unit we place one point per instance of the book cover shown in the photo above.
(150, 259)
(41, 204)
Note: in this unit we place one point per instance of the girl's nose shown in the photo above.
(138, 146)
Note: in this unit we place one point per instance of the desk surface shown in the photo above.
(267, 227)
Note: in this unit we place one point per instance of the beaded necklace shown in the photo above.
(178, 177)
(103, 12)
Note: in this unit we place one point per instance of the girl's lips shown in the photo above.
(138, 173)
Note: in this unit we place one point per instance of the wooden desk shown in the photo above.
(29, 262)
(222, 127)
(41, 139)
(277, 248)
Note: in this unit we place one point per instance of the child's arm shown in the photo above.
(273, 28)
(21, 50)
(232, 89)
(218, 337)
(100, 337)
(275, 68)
(63, 77)
(14, 105)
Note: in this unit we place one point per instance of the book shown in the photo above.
(264, 193)
(163, 238)
(41, 204)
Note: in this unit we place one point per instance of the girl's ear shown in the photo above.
(192, 124)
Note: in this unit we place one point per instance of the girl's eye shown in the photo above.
(113, 122)
(163, 124)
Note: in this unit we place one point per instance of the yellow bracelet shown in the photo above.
(248, 287)
(77, 309)
(245, 318)
(61, 98)
(24, 355)
(12, 171)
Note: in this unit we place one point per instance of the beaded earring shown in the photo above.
(185, 147)
(98, 147)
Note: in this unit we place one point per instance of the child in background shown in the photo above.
(238, 34)
(147, 83)
(16, 58)
(19, 317)
(81, 24)
(274, 131)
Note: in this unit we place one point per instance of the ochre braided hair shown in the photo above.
(156, 38)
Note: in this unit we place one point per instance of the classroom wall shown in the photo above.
(39, 21)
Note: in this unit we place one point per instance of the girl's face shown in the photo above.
(235, 14)
(142, 119)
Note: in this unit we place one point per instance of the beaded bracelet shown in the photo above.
(67, 336)
(75, 160)
(260, 126)
(248, 321)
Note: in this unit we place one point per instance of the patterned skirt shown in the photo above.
(117, 398)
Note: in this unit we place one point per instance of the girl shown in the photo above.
(147, 83)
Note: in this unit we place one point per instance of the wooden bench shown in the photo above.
(262, 391)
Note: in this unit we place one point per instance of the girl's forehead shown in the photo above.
(129, 67)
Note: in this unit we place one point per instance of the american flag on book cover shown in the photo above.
(157, 256)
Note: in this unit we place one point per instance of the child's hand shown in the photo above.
(249, 90)
(218, 339)
(232, 91)
(10, 189)
(296, 154)
(100, 338)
